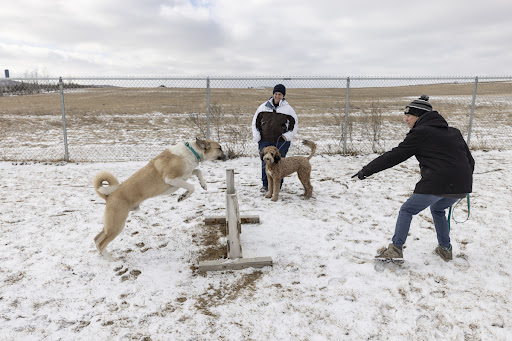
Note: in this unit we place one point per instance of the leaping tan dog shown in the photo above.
(164, 174)
(278, 167)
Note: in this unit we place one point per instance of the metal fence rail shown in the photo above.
(117, 119)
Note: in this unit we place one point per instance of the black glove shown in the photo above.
(360, 175)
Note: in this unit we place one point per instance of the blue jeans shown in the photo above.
(283, 147)
(414, 205)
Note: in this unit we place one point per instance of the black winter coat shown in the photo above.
(272, 125)
(446, 164)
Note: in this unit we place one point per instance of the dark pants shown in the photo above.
(414, 205)
(283, 147)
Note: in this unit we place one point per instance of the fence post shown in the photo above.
(472, 110)
(61, 87)
(207, 107)
(345, 126)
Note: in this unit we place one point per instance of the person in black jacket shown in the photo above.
(446, 168)
(274, 124)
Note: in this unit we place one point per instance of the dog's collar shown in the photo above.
(193, 151)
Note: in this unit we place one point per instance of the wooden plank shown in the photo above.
(234, 264)
(245, 219)
(233, 219)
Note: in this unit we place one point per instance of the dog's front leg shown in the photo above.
(177, 182)
(275, 192)
(199, 174)
(270, 186)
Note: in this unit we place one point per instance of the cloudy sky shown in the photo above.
(255, 38)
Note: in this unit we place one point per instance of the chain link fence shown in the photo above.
(118, 119)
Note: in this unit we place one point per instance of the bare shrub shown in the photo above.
(229, 128)
(238, 135)
(197, 121)
(200, 121)
(373, 123)
(339, 115)
(216, 120)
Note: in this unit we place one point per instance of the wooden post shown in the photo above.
(233, 222)
(230, 181)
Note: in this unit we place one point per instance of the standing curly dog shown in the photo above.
(277, 168)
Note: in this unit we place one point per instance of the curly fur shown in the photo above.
(278, 167)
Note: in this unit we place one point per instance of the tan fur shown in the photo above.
(164, 174)
(278, 167)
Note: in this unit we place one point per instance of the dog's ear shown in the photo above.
(261, 155)
(203, 144)
(277, 157)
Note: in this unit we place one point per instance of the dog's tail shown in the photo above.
(311, 145)
(104, 191)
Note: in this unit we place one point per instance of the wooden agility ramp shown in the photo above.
(233, 221)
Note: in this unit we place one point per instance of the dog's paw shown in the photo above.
(268, 196)
(184, 196)
(108, 256)
(203, 185)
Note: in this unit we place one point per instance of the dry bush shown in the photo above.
(373, 122)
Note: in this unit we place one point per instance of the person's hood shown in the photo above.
(432, 119)
(270, 103)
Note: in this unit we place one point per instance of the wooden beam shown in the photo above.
(246, 219)
(234, 264)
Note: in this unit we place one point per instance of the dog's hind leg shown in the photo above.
(199, 175)
(98, 237)
(183, 184)
(114, 224)
(305, 179)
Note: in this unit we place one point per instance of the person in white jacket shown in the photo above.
(274, 124)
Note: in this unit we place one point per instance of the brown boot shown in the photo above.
(445, 253)
(391, 252)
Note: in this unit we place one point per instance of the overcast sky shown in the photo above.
(256, 38)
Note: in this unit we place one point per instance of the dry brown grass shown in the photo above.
(129, 101)
(139, 115)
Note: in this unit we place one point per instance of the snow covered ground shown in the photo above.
(324, 284)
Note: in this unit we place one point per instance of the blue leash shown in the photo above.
(277, 143)
(452, 208)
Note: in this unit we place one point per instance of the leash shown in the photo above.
(193, 151)
(277, 143)
(452, 208)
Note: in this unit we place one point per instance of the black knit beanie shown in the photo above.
(419, 106)
(279, 88)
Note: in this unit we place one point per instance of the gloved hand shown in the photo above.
(360, 175)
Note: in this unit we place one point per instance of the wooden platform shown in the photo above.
(234, 264)
(233, 222)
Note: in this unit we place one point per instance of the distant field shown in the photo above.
(118, 119)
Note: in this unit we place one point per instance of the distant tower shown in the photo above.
(6, 73)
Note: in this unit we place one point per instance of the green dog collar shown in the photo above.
(193, 151)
